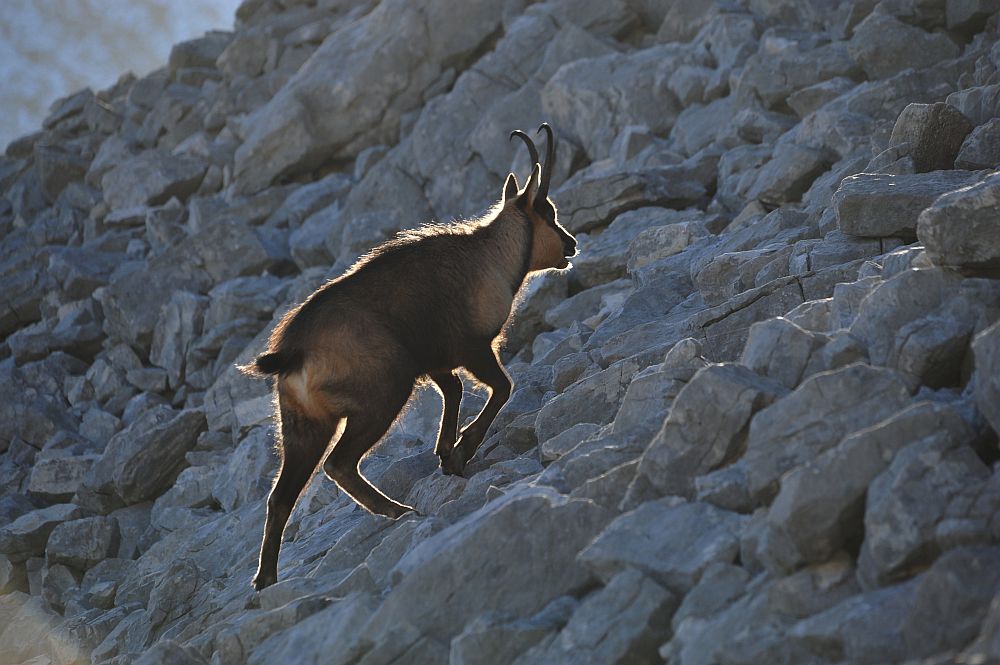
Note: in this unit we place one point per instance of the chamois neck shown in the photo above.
(510, 239)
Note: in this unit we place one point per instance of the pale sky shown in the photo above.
(50, 48)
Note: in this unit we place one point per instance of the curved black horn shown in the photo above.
(550, 158)
(532, 150)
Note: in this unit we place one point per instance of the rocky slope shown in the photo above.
(755, 424)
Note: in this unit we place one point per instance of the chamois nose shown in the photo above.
(569, 248)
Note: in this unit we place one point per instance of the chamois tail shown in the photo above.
(277, 362)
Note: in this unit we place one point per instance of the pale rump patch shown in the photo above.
(304, 391)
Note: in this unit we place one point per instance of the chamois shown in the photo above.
(422, 304)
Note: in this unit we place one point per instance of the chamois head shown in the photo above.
(552, 245)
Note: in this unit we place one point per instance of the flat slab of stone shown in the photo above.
(876, 205)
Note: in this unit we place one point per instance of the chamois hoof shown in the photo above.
(453, 465)
(261, 580)
(397, 511)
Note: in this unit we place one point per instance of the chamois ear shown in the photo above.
(527, 197)
(510, 187)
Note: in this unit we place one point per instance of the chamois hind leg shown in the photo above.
(365, 429)
(486, 367)
(302, 444)
(451, 390)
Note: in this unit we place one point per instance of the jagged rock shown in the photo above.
(180, 322)
(727, 613)
(732, 273)
(57, 478)
(143, 459)
(914, 509)
(813, 315)
(649, 304)
(786, 64)
(965, 14)
(697, 126)
(756, 125)
(603, 256)
(82, 543)
(706, 429)
(934, 132)
(286, 136)
(671, 541)
(653, 389)
(977, 103)
(726, 326)
(660, 242)
(623, 87)
(522, 521)
(834, 249)
(789, 173)
(622, 623)
(593, 197)
(885, 46)
(595, 399)
(915, 619)
(247, 475)
(565, 441)
(215, 254)
(960, 229)
(934, 313)
(816, 415)
(780, 350)
(987, 355)
(201, 52)
(168, 652)
(981, 148)
(26, 536)
(490, 638)
(56, 169)
(806, 100)
(820, 507)
(151, 178)
(876, 205)
(26, 283)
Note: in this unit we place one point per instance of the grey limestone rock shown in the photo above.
(816, 415)
(885, 46)
(779, 349)
(628, 90)
(934, 132)
(820, 507)
(706, 429)
(877, 205)
(144, 459)
(986, 347)
(27, 535)
(981, 148)
(284, 135)
(669, 540)
(959, 230)
(914, 509)
(151, 178)
(82, 543)
(622, 623)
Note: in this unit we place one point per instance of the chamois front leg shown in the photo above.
(487, 368)
(451, 390)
